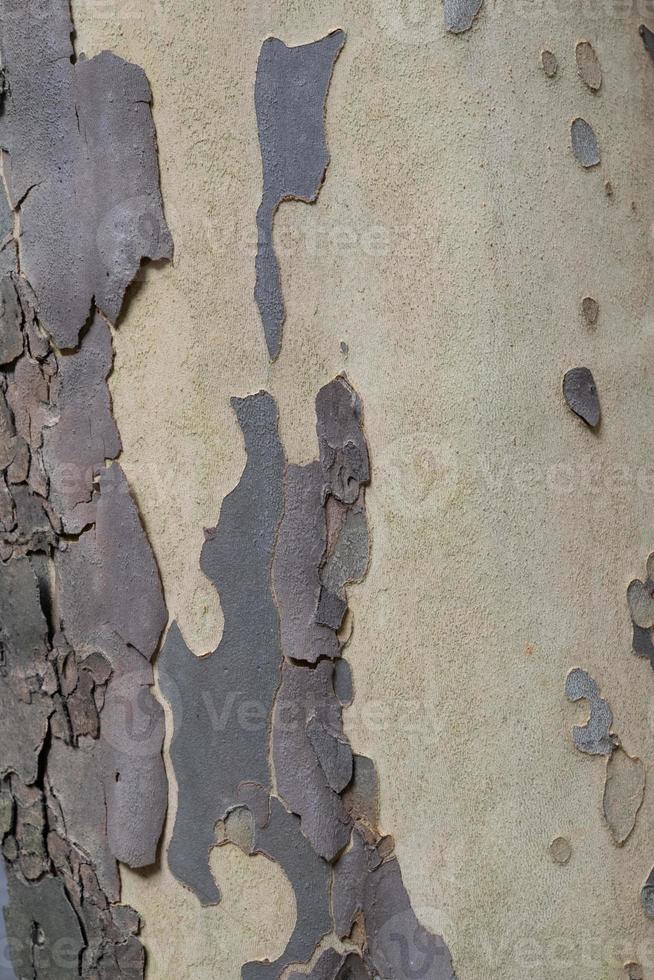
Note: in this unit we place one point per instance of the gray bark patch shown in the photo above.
(283, 842)
(222, 703)
(85, 434)
(460, 14)
(584, 143)
(6, 969)
(290, 96)
(580, 392)
(11, 319)
(109, 589)
(595, 737)
(369, 887)
(647, 894)
(46, 934)
(24, 707)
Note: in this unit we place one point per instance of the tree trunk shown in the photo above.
(390, 716)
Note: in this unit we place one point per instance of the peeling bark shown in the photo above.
(625, 777)
(624, 792)
(81, 606)
(97, 149)
(288, 536)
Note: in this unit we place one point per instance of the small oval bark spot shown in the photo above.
(560, 850)
(584, 143)
(550, 63)
(580, 392)
(641, 604)
(633, 971)
(590, 310)
(588, 66)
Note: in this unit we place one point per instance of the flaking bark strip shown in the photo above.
(305, 701)
(291, 534)
(83, 434)
(290, 99)
(82, 781)
(296, 570)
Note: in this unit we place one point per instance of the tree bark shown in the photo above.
(396, 700)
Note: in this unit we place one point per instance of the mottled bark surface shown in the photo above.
(456, 592)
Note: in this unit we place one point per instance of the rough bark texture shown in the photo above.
(81, 604)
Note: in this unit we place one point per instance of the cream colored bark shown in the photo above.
(451, 247)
